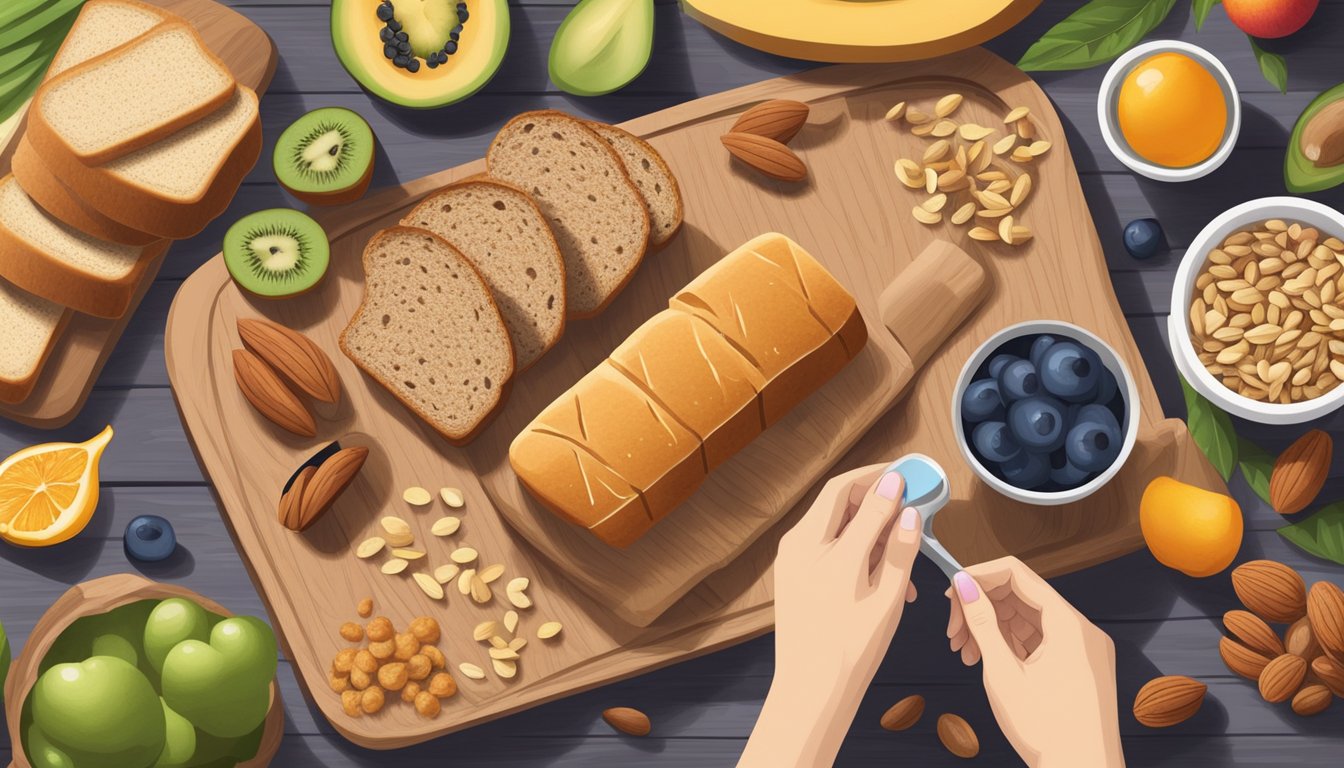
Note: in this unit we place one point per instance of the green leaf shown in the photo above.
(1202, 8)
(1212, 430)
(1256, 466)
(1095, 34)
(1322, 534)
(1272, 66)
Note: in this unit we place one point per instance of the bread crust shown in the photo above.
(505, 387)
(615, 157)
(47, 140)
(656, 243)
(57, 199)
(143, 209)
(13, 391)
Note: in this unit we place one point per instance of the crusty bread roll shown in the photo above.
(747, 340)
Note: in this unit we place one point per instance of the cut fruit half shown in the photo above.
(48, 492)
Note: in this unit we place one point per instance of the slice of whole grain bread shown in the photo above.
(649, 171)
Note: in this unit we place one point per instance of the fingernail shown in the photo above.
(966, 587)
(910, 518)
(889, 487)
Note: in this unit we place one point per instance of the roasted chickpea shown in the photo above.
(409, 693)
(425, 629)
(382, 650)
(442, 685)
(427, 704)
(435, 656)
(371, 700)
(352, 632)
(360, 679)
(365, 608)
(366, 662)
(340, 683)
(345, 661)
(406, 646)
(350, 703)
(380, 630)
(419, 667)
(392, 676)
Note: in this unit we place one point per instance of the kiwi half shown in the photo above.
(325, 157)
(276, 253)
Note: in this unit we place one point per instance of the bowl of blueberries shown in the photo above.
(1045, 412)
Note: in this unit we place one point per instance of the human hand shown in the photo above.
(1048, 671)
(842, 579)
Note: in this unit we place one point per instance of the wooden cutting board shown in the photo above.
(86, 343)
(853, 214)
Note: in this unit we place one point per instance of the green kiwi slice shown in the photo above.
(276, 253)
(326, 157)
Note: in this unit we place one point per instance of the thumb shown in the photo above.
(983, 624)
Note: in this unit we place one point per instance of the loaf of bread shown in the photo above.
(429, 332)
(748, 339)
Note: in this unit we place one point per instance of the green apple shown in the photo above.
(179, 746)
(223, 686)
(43, 754)
(102, 708)
(171, 622)
(116, 646)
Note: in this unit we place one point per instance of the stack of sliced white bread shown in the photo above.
(139, 135)
(554, 230)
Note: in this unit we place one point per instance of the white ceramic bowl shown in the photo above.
(1109, 358)
(1329, 221)
(1110, 126)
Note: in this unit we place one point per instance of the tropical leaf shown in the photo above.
(1256, 466)
(1212, 430)
(1321, 535)
(1202, 8)
(1272, 66)
(1095, 34)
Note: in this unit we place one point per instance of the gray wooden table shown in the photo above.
(703, 710)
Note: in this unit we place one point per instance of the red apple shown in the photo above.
(1270, 18)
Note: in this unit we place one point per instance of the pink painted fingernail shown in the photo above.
(889, 487)
(966, 587)
(910, 518)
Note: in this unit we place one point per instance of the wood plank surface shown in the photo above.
(1162, 623)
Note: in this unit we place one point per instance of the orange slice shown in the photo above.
(48, 492)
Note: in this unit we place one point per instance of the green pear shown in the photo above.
(43, 754)
(223, 686)
(102, 708)
(171, 622)
(179, 746)
(116, 646)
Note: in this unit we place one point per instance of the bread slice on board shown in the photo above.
(429, 332)
(176, 186)
(57, 199)
(503, 233)
(581, 186)
(54, 261)
(103, 25)
(129, 97)
(29, 328)
(650, 173)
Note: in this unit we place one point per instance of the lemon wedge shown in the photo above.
(48, 492)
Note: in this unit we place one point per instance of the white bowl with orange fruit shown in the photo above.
(1169, 110)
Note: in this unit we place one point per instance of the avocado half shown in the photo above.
(1300, 174)
(355, 30)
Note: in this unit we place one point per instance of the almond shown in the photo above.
(1253, 633)
(1240, 659)
(1271, 590)
(290, 514)
(294, 356)
(1331, 674)
(766, 155)
(330, 480)
(1282, 677)
(903, 713)
(778, 119)
(1325, 608)
(958, 736)
(1165, 701)
(1300, 472)
(1312, 700)
(629, 721)
(1300, 641)
(264, 390)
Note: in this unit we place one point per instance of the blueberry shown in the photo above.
(997, 363)
(384, 12)
(981, 402)
(1064, 473)
(994, 442)
(1094, 442)
(150, 538)
(1017, 380)
(1038, 347)
(1107, 388)
(1037, 423)
(1071, 371)
(1143, 238)
(1026, 470)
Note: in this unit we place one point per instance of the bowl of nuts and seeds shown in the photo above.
(1257, 311)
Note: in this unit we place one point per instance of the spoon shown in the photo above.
(927, 490)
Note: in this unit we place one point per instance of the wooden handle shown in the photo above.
(931, 297)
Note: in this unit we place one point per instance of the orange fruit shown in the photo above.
(1194, 531)
(48, 492)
